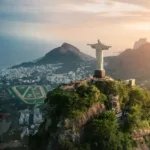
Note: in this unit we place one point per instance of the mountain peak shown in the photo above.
(139, 43)
(66, 44)
(66, 53)
(66, 47)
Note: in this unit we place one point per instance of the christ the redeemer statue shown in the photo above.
(99, 72)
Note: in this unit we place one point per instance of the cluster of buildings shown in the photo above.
(43, 74)
(29, 121)
(26, 120)
(28, 75)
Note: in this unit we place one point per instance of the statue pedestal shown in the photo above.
(99, 74)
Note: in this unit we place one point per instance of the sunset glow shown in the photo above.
(117, 22)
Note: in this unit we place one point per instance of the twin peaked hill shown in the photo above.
(70, 56)
(67, 53)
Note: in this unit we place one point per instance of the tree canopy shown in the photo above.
(104, 131)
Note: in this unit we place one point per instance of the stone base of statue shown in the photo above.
(99, 74)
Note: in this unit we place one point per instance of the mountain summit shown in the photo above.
(65, 48)
(139, 43)
(69, 48)
(66, 54)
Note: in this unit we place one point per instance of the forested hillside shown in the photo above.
(84, 115)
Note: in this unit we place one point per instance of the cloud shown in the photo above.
(66, 12)
(143, 3)
(106, 7)
(41, 6)
(74, 20)
(40, 10)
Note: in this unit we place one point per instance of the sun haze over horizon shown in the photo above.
(115, 22)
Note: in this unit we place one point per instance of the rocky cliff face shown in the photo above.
(95, 110)
(142, 136)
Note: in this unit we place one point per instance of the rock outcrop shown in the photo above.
(139, 43)
(95, 110)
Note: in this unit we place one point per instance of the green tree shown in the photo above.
(102, 133)
(134, 117)
(138, 96)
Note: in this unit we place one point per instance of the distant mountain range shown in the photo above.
(131, 63)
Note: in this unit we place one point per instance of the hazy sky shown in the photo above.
(115, 22)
